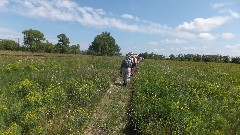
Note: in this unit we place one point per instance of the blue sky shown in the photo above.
(160, 26)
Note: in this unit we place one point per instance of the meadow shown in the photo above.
(51, 95)
(57, 94)
(172, 97)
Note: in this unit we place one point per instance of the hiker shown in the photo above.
(140, 58)
(134, 61)
(125, 69)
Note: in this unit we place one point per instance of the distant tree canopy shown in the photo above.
(193, 57)
(75, 49)
(203, 58)
(152, 55)
(48, 47)
(32, 39)
(6, 44)
(63, 43)
(104, 44)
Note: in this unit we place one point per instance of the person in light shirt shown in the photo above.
(125, 69)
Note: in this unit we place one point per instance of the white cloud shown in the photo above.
(183, 34)
(218, 5)
(189, 48)
(153, 43)
(227, 35)
(209, 37)
(206, 36)
(71, 11)
(3, 4)
(221, 5)
(123, 26)
(10, 34)
(205, 46)
(54, 10)
(66, 10)
(233, 47)
(234, 14)
(128, 16)
(90, 16)
(201, 49)
(155, 50)
(201, 24)
(173, 41)
(230, 50)
(234, 50)
(168, 41)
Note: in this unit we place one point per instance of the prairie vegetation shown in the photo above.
(51, 95)
(60, 94)
(173, 97)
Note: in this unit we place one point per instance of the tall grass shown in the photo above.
(187, 98)
(52, 95)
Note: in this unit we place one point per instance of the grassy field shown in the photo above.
(173, 97)
(52, 95)
(76, 94)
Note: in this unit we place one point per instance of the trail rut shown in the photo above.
(111, 113)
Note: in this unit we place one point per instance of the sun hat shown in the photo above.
(130, 53)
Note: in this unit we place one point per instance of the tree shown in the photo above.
(235, 60)
(75, 49)
(63, 44)
(226, 59)
(32, 39)
(197, 58)
(145, 55)
(48, 47)
(104, 44)
(152, 55)
(6, 44)
(172, 57)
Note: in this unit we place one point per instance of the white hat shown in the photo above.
(130, 53)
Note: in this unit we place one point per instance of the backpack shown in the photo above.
(126, 63)
(134, 60)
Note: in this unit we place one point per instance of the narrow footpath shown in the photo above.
(111, 113)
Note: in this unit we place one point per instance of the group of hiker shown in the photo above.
(128, 66)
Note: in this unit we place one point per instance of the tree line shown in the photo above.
(103, 45)
(34, 41)
(193, 57)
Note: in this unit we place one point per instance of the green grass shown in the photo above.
(52, 95)
(58, 94)
(173, 97)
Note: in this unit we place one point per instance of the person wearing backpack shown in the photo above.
(125, 69)
(134, 63)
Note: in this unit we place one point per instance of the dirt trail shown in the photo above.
(111, 113)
